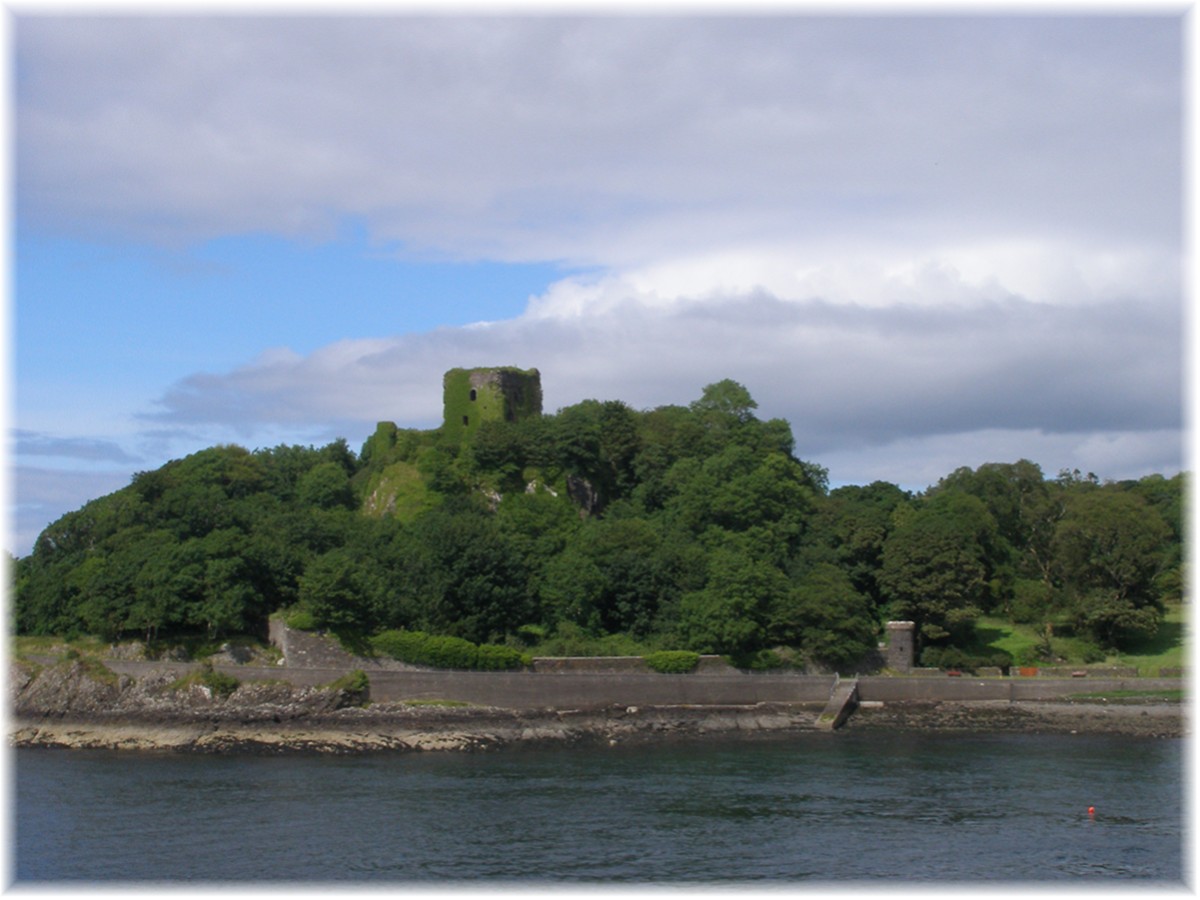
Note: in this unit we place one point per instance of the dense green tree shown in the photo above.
(1109, 547)
(325, 486)
(936, 569)
(468, 581)
(341, 591)
(826, 616)
(852, 524)
(732, 612)
(612, 577)
(678, 526)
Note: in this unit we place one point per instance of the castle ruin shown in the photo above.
(471, 397)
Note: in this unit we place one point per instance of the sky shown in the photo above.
(927, 239)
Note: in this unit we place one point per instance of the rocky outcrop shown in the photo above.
(88, 691)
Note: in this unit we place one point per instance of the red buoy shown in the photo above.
(1091, 810)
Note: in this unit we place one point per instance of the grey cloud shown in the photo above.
(43, 495)
(30, 443)
(843, 376)
(600, 140)
(918, 462)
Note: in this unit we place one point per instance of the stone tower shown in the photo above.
(900, 646)
(473, 396)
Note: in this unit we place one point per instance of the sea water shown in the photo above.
(814, 808)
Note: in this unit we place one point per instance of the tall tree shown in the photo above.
(1109, 546)
(936, 566)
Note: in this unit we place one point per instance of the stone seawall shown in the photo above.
(535, 690)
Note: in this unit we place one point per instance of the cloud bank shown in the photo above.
(608, 141)
(926, 241)
(917, 354)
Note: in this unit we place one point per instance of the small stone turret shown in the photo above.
(900, 646)
(473, 396)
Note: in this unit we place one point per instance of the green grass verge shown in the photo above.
(436, 703)
(52, 645)
(1171, 695)
(92, 666)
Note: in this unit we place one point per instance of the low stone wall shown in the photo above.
(533, 690)
(567, 690)
(593, 690)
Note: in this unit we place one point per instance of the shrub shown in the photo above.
(301, 620)
(1001, 659)
(1093, 654)
(1032, 601)
(672, 662)
(402, 645)
(756, 661)
(446, 652)
(498, 658)
(945, 658)
(89, 665)
(531, 634)
(219, 683)
(355, 685)
(954, 658)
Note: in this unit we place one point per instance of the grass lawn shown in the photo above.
(1166, 649)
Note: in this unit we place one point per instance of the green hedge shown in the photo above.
(954, 658)
(446, 652)
(301, 620)
(672, 662)
(356, 685)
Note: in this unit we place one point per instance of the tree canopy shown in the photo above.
(682, 527)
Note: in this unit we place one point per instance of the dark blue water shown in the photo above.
(822, 808)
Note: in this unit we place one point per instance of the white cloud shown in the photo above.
(844, 373)
(612, 141)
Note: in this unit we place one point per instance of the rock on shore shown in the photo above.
(1131, 716)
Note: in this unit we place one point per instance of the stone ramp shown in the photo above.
(842, 702)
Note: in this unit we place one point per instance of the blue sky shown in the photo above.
(927, 241)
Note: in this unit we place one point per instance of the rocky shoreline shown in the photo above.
(1139, 717)
(396, 727)
(72, 706)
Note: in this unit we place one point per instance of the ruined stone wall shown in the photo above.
(473, 396)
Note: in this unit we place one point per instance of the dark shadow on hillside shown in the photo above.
(1168, 636)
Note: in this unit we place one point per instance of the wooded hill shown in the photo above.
(677, 528)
